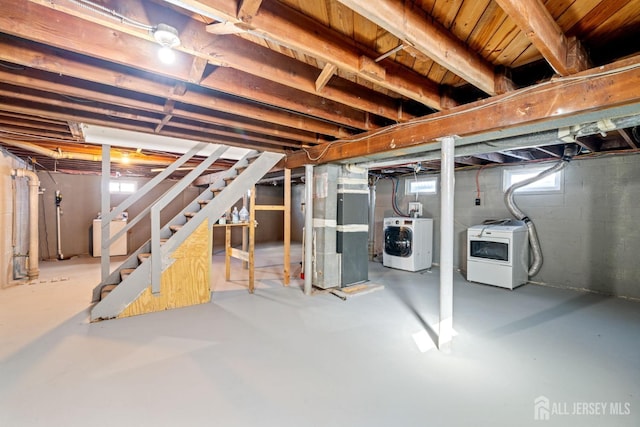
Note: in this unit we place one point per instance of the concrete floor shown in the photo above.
(278, 358)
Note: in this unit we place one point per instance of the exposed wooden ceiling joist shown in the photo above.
(47, 59)
(279, 23)
(564, 55)
(225, 51)
(411, 25)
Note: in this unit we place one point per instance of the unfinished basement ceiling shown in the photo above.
(291, 75)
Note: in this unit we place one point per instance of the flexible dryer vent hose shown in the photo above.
(570, 150)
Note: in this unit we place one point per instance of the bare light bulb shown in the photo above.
(167, 55)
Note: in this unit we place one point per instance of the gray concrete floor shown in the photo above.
(279, 358)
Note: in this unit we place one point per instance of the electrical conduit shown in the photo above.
(570, 150)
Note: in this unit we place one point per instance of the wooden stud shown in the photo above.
(227, 253)
(287, 227)
(252, 238)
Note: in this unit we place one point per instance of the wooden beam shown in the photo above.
(287, 227)
(224, 28)
(411, 25)
(327, 72)
(29, 55)
(265, 63)
(30, 82)
(238, 83)
(290, 28)
(607, 87)
(269, 207)
(223, 51)
(535, 21)
(248, 9)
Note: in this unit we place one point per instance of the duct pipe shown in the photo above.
(115, 156)
(372, 217)
(34, 184)
(570, 150)
(447, 189)
(308, 228)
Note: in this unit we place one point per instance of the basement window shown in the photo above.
(122, 187)
(422, 186)
(550, 183)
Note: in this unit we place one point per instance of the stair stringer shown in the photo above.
(137, 285)
(132, 260)
(224, 201)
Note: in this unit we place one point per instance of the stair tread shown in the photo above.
(190, 214)
(142, 257)
(127, 270)
(204, 202)
(175, 227)
(106, 289)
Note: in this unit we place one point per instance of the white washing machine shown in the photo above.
(408, 243)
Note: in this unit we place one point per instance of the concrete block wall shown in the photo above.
(81, 203)
(588, 231)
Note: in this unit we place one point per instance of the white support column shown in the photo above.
(372, 219)
(447, 190)
(308, 228)
(105, 231)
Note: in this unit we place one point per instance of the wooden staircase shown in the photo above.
(177, 272)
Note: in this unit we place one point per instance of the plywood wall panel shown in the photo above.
(186, 282)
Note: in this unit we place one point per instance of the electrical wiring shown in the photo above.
(112, 14)
(478, 181)
(394, 197)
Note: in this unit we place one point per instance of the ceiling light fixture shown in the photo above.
(168, 38)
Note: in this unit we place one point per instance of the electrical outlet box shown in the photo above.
(415, 209)
(478, 200)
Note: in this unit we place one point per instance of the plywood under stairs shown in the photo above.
(185, 276)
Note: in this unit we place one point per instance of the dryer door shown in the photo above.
(398, 241)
